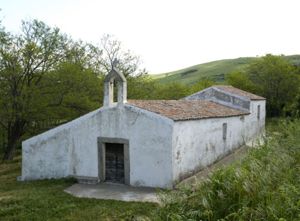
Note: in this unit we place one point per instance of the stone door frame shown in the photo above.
(101, 157)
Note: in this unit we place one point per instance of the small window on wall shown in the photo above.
(242, 118)
(224, 131)
(258, 112)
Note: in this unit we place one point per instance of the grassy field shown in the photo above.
(45, 200)
(215, 70)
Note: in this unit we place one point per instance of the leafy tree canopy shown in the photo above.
(274, 78)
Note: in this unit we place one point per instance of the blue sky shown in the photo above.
(171, 34)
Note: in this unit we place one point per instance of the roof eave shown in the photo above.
(213, 117)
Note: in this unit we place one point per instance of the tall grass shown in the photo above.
(264, 186)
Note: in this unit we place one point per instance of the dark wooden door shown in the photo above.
(114, 162)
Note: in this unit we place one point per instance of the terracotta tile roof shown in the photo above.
(233, 90)
(179, 110)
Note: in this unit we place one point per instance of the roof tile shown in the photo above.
(233, 90)
(179, 110)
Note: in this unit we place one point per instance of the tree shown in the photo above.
(110, 49)
(240, 80)
(141, 87)
(24, 60)
(44, 74)
(275, 79)
(204, 83)
(171, 91)
(71, 91)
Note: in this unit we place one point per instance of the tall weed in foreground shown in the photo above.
(264, 186)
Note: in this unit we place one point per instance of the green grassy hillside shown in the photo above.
(215, 70)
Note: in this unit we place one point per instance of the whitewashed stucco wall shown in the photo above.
(198, 143)
(52, 154)
(254, 127)
(72, 149)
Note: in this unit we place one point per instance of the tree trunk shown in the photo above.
(10, 149)
(14, 134)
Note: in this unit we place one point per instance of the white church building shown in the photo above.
(153, 143)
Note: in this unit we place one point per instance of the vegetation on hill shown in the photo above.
(263, 186)
(274, 78)
(277, 78)
(215, 70)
